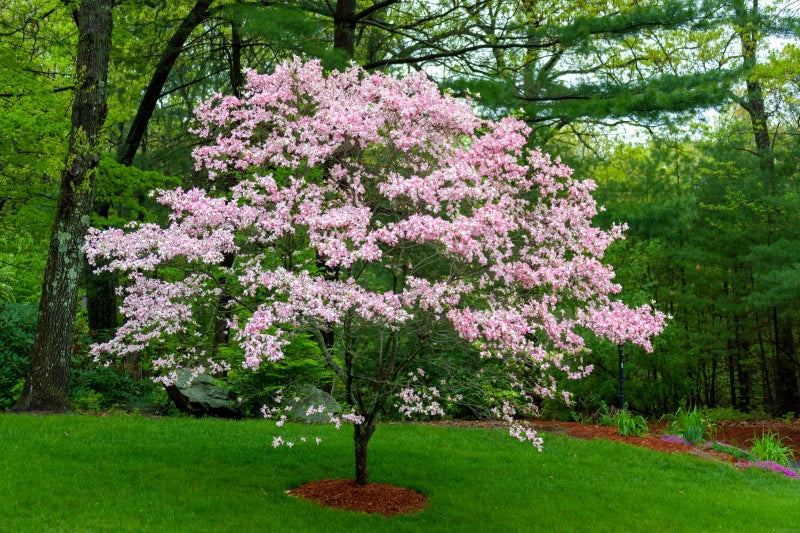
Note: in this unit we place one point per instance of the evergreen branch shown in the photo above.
(54, 91)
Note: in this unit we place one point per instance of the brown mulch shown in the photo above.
(389, 500)
(348, 495)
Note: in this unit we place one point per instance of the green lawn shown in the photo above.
(130, 473)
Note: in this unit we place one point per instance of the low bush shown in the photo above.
(17, 329)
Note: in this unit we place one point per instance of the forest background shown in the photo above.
(684, 113)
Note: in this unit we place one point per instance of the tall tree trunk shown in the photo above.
(742, 367)
(714, 368)
(786, 390)
(47, 383)
(223, 311)
(344, 27)
(785, 377)
(101, 299)
(101, 293)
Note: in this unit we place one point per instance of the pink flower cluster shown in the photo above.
(361, 201)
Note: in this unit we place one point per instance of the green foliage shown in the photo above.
(630, 424)
(22, 253)
(770, 447)
(97, 388)
(125, 189)
(693, 425)
(92, 388)
(287, 29)
(731, 450)
(731, 414)
(607, 416)
(303, 365)
(17, 329)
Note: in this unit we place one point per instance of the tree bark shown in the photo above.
(361, 435)
(101, 293)
(344, 27)
(47, 383)
(786, 391)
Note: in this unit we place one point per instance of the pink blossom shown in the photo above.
(383, 211)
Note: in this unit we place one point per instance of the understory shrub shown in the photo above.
(17, 329)
(733, 415)
(94, 388)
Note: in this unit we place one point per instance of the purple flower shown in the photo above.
(769, 465)
(675, 439)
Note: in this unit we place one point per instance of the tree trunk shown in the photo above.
(361, 435)
(786, 390)
(223, 311)
(47, 383)
(101, 295)
(742, 367)
(344, 27)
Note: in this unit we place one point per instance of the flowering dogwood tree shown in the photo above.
(379, 216)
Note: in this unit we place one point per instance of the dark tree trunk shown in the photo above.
(47, 383)
(223, 311)
(742, 367)
(714, 368)
(361, 435)
(786, 391)
(344, 27)
(236, 72)
(101, 296)
(732, 376)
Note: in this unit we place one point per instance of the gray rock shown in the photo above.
(308, 397)
(203, 396)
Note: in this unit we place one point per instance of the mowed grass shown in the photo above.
(129, 473)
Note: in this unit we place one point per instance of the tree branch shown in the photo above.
(172, 50)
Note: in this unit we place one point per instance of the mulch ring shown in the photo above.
(348, 495)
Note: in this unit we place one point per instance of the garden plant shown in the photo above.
(693, 425)
(770, 447)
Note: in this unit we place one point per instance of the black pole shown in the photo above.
(621, 377)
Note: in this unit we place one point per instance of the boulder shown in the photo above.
(310, 396)
(203, 395)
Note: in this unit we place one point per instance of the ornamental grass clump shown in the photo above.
(629, 424)
(770, 447)
(692, 425)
